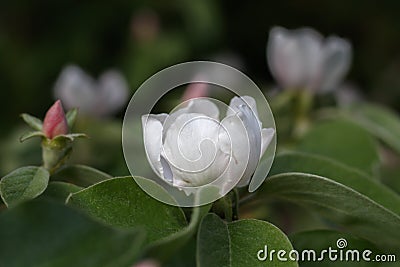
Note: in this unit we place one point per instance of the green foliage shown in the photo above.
(343, 141)
(232, 244)
(80, 175)
(23, 184)
(353, 211)
(289, 163)
(60, 191)
(121, 202)
(378, 121)
(42, 233)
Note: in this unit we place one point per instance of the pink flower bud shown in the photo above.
(55, 122)
(195, 90)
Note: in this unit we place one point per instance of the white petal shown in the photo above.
(236, 146)
(191, 148)
(253, 130)
(337, 60)
(198, 105)
(112, 92)
(203, 106)
(75, 89)
(152, 136)
(237, 101)
(293, 56)
(266, 137)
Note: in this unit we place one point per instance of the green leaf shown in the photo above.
(43, 233)
(379, 121)
(320, 240)
(222, 244)
(23, 184)
(29, 135)
(185, 257)
(60, 191)
(71, 117)
(80, 175)
(33, 122)
(343, 141)
(121, 202)
(163, 249)
(340, 173)
(355, 212)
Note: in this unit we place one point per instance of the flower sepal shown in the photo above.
(33, 122)
(55, 152)
(30, 135)
(71, 137)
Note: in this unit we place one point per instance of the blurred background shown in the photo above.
(138, 38)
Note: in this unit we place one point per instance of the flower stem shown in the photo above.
(55, 153)
(227, 207)
(302, 107)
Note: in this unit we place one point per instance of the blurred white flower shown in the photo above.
(191, 147)
(303, 59)
(103, 97)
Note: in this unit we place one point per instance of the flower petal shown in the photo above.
(198, 105)
(191, 147)
(54, 122)
(337, 60)
(243, 100)
(266, 137)
(112, 92)
(152, 135)
(76, 89)
(294, 56)
(253, 130)
(195, 90)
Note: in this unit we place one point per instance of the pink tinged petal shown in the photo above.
(195, 90)
(147, 263)
(55, 122)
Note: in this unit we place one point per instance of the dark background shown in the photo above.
(38, 38)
